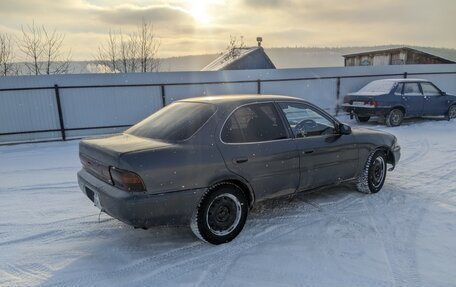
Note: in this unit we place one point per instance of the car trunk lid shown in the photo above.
(98, 154)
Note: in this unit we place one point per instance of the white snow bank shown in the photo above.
(51, 235)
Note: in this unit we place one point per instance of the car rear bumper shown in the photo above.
(365, 110)
(141, 209)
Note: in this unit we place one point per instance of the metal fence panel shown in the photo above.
(320, 92)
(174, 93)
(94, 107)
(29, 110)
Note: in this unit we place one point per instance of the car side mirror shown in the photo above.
(443, 93)
(345, 129)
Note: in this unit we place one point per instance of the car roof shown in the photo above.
(240, 99)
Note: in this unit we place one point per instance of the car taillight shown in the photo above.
(372, 103)
(126, 180)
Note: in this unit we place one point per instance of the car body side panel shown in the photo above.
(437, 105)
(271, 168)
(326, 160)
(413, 105)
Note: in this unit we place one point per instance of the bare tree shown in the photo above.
(234, 48)
(107, 53)
(55, 61)
(130, 53)
(148, 47)
(42, 51)
(7, 66)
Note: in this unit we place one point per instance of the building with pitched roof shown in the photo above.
(242, 59)
(401, 55)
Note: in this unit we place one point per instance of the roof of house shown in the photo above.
(244, 58)
(442, 53)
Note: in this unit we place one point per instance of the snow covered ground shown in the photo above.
(51, 235)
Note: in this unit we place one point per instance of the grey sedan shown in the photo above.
(206, 161)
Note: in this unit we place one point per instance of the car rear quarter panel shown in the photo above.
(195, 163)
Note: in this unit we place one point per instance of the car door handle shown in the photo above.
(240, 160)
(309, 151)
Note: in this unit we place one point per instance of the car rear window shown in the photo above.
(176, 122)
(378, 87)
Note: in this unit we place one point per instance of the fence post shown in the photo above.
(163, 95)
(259, 87)
(337, 95)
(59, 109)
(405, 75)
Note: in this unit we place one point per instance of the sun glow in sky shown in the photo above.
(204, 26)
(199, 11)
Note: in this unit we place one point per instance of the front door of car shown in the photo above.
(256, 145)
(326, 157)
(435, 103)
(412, 100)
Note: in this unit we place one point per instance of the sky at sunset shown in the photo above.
(204, 26)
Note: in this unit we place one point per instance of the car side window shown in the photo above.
(399, 88)
(306, 121)
(412, 89)
(254, 123)
(429, 89)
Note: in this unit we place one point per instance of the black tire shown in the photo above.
(394, 118)
(221, 214)
(373, 176)
(452, 112)
(362, 119)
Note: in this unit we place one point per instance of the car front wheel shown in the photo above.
(452, 112)
(221, 214)
(373, 176)
(394, 118)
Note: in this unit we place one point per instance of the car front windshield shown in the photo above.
(174, 123)
(378, 87)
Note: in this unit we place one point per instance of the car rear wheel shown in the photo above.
(361, 119)
(452, 112)
(394, 118)
(221, 214)
(373, 176)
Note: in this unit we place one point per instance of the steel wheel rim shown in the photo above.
(378, 171)
(395, 117)
(223, 214)
(452, 112)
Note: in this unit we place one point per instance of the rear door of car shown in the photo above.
(412, 99)
(256, 145)
(326, 157)
(435, 103)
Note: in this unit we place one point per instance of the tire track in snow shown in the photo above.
(119, 273)
(398, 244)
(422, 148)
